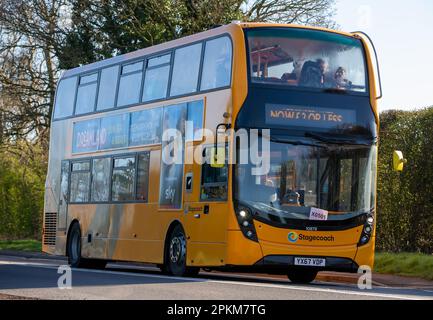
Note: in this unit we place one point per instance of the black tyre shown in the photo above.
(74, 247)
(175, 255)
(302, 275)
(75, 259)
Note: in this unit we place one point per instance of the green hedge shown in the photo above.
(22, 176)
(405, 200)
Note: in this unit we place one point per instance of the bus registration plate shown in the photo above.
(311, 262)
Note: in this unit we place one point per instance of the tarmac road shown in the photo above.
(38, 278)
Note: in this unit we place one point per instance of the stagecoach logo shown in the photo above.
(293, 237)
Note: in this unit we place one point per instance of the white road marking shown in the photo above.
(252, 284)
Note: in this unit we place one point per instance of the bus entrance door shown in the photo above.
(63, 199)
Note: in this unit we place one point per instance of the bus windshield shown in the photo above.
(338, 179)
(306, 59)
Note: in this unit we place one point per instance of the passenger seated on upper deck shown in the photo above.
(294, 75)
(313, 74)
(340, 81)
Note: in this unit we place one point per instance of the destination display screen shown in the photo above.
(300, 116)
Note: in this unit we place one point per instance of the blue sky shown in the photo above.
(402, 32)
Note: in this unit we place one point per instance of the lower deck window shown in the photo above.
(123, 179)
(100, 177)
(143, 176)
(80, 182)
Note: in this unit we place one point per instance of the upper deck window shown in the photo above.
(65, 98)
(86, 95)
(107, 88)
(306, 59)
(185, 70)
(156, 78)
(160, 60)
(130, 84)
(217, 64)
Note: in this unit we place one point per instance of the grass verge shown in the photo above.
(21, 245)
(404, 264)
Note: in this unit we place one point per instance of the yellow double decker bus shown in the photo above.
(307, 94)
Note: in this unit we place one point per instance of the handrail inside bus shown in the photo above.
(377, 60)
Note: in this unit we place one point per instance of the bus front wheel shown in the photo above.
(175, 256)
(302, 276)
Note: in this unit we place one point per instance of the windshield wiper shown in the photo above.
(325, 139)
(294, 142)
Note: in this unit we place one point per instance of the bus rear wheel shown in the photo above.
(75, 259)
(302, 276)
(175, 256)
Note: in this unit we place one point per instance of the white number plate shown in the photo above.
(318, 214)
(311, 262)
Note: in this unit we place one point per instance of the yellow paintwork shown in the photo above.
(137, 232)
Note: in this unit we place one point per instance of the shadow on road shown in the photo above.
(24, 277)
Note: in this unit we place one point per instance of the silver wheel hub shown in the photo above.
(177, 249)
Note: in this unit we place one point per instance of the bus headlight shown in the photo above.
(367, 230)
(245, 220)
(243, 213)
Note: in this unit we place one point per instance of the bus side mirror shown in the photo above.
(217, 157)
(398, 160)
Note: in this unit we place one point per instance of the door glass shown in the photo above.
(64, 182)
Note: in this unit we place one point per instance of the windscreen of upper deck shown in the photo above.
(307, 59)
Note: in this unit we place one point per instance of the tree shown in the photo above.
(305, 12)
(31, 34)
(101, 29)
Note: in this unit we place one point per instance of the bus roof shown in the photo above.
(182, 41)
